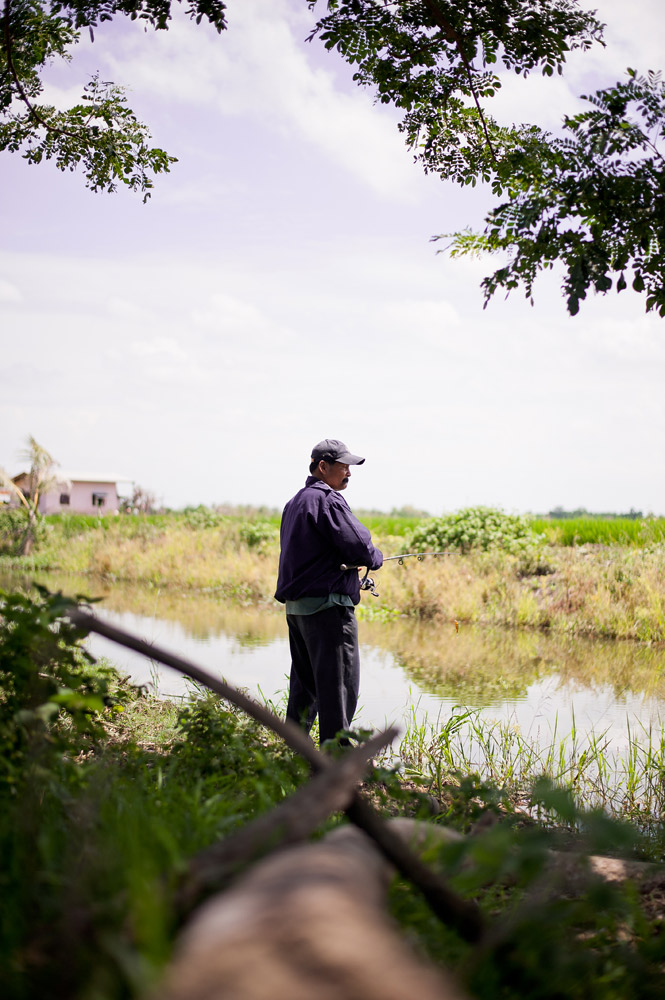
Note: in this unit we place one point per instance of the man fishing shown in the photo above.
(319, 534)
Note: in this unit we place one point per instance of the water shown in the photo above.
(410, 670)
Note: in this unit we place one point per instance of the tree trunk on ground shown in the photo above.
(311, 921)
(306, 922)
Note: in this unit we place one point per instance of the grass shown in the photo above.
(98, 824)
(626, 785)
(94, 847)
(95, 840)
(615, 592)
(595, 577)
(636, 532)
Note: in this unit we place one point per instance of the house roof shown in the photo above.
(66, 475)
(91, 477)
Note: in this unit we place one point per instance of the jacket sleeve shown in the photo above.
(351, 538)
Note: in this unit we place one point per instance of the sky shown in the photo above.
(281, 287)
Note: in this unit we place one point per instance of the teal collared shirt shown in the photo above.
(311, 605)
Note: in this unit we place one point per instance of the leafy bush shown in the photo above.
(51, 696)
(12, 529)
(13, 526)
(220, 744)
(97, 819)
(202, 517)
(258, 534)
(474, 528)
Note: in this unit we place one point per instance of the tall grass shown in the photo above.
(626, 785)
(389, 525)
(235, 558)
(92, 849)
(603, 590)
(616, 592)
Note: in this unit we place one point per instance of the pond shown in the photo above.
(545, 686)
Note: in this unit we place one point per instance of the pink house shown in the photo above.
(81, 493)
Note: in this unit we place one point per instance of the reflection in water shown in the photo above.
(481, 666)
(409, 668)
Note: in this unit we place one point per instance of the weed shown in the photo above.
(623, 786)
(473, 528)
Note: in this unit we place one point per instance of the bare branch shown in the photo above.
(292, 735)
(464, 916)
(292, 821)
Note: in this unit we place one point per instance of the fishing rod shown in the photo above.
(367, 583)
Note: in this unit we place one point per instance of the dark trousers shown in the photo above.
(325, 669)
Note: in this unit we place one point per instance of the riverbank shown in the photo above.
(101, 819)
(612, 591)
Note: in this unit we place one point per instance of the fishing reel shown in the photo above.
(367, 583)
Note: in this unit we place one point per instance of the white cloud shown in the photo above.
(158, 346)
(262, 68)
(123, 309)
(536, 100)
(201, 194)
(231, 323)
(490, 394)
(633, 37)
(9, 292)
(62, 97)
(420, 323)
(226, 310)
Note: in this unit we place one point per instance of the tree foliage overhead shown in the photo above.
(100, 133)
(593, 198)
(437, 61)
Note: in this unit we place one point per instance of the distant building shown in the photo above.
(80, 493)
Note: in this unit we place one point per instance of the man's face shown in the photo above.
(335, 474)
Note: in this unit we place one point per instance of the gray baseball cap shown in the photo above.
(332, 450)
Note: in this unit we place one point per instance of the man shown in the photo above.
(319, 534)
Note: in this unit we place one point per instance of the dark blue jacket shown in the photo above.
(318, 533)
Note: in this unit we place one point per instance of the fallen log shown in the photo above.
(312, 921)
(306, 922)
(291, 822)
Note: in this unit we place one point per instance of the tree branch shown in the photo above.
(464, 916)
(453, 36)
(19, 86)
(291, 822)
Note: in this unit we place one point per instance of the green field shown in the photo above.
(565, 531)
(637, 532)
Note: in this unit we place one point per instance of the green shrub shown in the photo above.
(473, 528)
(98, 819)
(202, 517)
(258, 534)
(51, 693)
(13, 526)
